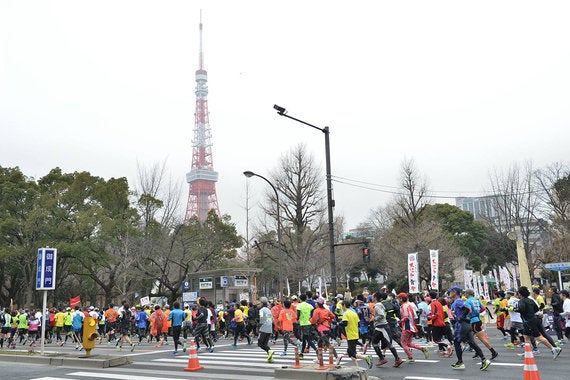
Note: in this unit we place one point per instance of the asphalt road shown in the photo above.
(248, 362)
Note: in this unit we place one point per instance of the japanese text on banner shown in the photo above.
(434, 263)
(413, 275)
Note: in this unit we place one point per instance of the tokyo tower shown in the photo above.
(202, 178)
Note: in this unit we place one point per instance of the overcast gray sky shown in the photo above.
(461, 87)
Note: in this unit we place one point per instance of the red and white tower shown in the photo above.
(202, 178)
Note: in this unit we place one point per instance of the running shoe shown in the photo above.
(510, 345)
(494, 355)
(485, 364)
(301, 357)
(458, 366)
(119, 348)
(284, 353)
(369, 361)
(555, 352)
(381, 362)
(234, 345)
(426, 353)
(132, 347)
(397, 363)
(476, 356)
(337, 361)
(184, 347)
(174, 352)
(410, 360)
(211, 349)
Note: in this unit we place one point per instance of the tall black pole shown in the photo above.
(330, 205)
(330, 202)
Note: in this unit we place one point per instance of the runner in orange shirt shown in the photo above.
(287, 316)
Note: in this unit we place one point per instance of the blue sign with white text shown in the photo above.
(45, 277)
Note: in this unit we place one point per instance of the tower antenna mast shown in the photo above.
(202, 178)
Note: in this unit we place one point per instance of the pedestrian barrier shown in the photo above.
(321, 365)
(193, 362)
(297, 360)
(530, 368)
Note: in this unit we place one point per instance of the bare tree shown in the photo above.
(158, 197)
(409, 204)
(299, 182)
(517, 203)
(401, 229)
(554, 191)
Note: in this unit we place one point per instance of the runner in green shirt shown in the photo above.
(304, 311)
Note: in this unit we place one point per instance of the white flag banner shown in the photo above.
(494, 278)
(468, 274)
(505, 277)
(486, 289)
(476, 286)
(515, 284)
(434, 263)
(413, 275)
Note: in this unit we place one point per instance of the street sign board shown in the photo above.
(558, 266)
(45, 275)
(224, 281)
(206, 283)
(240, 281)
(145, 301)
(189, 296)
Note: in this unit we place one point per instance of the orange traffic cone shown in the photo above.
(320, 359)
(331, 357)
(530, 369)
(193, 363)
(297, 361)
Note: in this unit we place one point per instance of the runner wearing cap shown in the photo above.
(266, 328)
(476, 307)
(463, 332)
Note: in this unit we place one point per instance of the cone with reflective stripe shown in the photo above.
(530, 368)
(193, 363)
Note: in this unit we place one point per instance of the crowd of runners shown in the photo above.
(368, 323)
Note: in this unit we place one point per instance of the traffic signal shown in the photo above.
(366, 255)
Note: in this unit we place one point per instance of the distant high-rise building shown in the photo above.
(202, 178)
(482, 208)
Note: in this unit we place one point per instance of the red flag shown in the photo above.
(74, 301)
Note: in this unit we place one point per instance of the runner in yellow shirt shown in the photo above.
(350, 321)
(59, 321)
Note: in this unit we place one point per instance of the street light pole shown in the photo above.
(330, 201)
(250, 174)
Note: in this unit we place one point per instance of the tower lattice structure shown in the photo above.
(202, 178)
